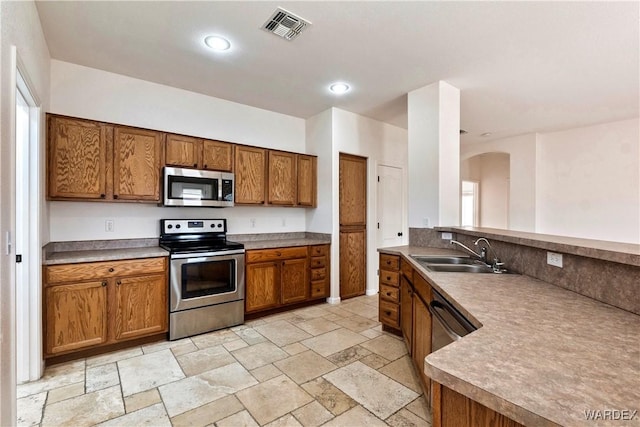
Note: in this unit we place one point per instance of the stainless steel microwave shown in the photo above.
(192, 187)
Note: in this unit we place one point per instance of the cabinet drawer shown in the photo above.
(318, 273)
(406, 269)
(390, 293)
(101, 270)
(318, 289)
(389, 262)
(389, 278)
(317, 261)
(389, 314)
(276, 254)
(319, 250)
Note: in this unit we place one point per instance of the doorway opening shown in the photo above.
(469, 204)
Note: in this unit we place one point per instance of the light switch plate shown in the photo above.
(554, 259)
(447, 236)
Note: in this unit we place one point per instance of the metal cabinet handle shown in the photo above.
(388, 313)
(388, 294)
(115, 196)
(111, 270)
(119, 282)
(104, 284)
(205, 166)
(388, 277)
(195, 165)
(102, 196)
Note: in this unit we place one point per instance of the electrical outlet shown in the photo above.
(108, 226)
(252, 222)
(554, 259)
(447, 236)
(425, 222)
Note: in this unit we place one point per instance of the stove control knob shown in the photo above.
(219, 225)
(212, 225)
(177, 225)
(169, 226)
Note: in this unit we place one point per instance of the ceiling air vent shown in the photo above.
(285, 24)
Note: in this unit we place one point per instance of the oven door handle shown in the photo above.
(201, 255)
(433, 309)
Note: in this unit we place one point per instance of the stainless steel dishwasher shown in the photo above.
(448, 324)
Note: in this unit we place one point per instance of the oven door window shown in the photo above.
(208, 278)
(190, 188)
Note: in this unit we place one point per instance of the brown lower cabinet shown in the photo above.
(89, 305)
(283, 276)
(404, 309)
(452, 409)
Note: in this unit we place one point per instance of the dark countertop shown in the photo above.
(543, 355)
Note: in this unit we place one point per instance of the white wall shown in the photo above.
(589, 182)
(94, 94)
(494, 190)
(434, 155)
(319, 140)
(380, 143)
(20, 27)
(522, 173)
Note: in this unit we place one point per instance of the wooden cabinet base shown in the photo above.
(81, 354)
(452, 409)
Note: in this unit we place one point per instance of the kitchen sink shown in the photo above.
(454, 264)
(459, 268)
(443, 259)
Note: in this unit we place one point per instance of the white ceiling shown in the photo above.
(521, 66)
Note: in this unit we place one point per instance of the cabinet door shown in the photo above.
(250, 175)
(353, 250)
(217, 155)
(353, 190)
(182, 151)
(76, 316)
(421, 337)
(295, 282)
(307, 177)
(136, 164)
(406, 312)
(282, 178)
(262, 286)
(140, 306)
(77, 158)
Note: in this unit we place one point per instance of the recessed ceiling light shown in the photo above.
(217, 43)
(339, 88)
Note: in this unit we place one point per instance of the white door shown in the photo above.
(390, 206)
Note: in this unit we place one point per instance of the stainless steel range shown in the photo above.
(206, 276)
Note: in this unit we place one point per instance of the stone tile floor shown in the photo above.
(328, 365)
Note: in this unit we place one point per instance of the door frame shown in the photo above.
(28, 298)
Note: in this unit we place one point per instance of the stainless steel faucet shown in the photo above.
(496, 264)
(480, 256)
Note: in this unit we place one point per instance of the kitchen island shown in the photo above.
(542, 355)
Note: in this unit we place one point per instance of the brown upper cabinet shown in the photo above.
(91, 160)
(95, 161)
(353, 190)
(307, 178)
(182, 151)
(250, 175)
(282, 178)
(189, 152)
(136, 164)
(77, 158)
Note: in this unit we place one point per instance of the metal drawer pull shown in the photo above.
(111, 270)
(104, 284)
